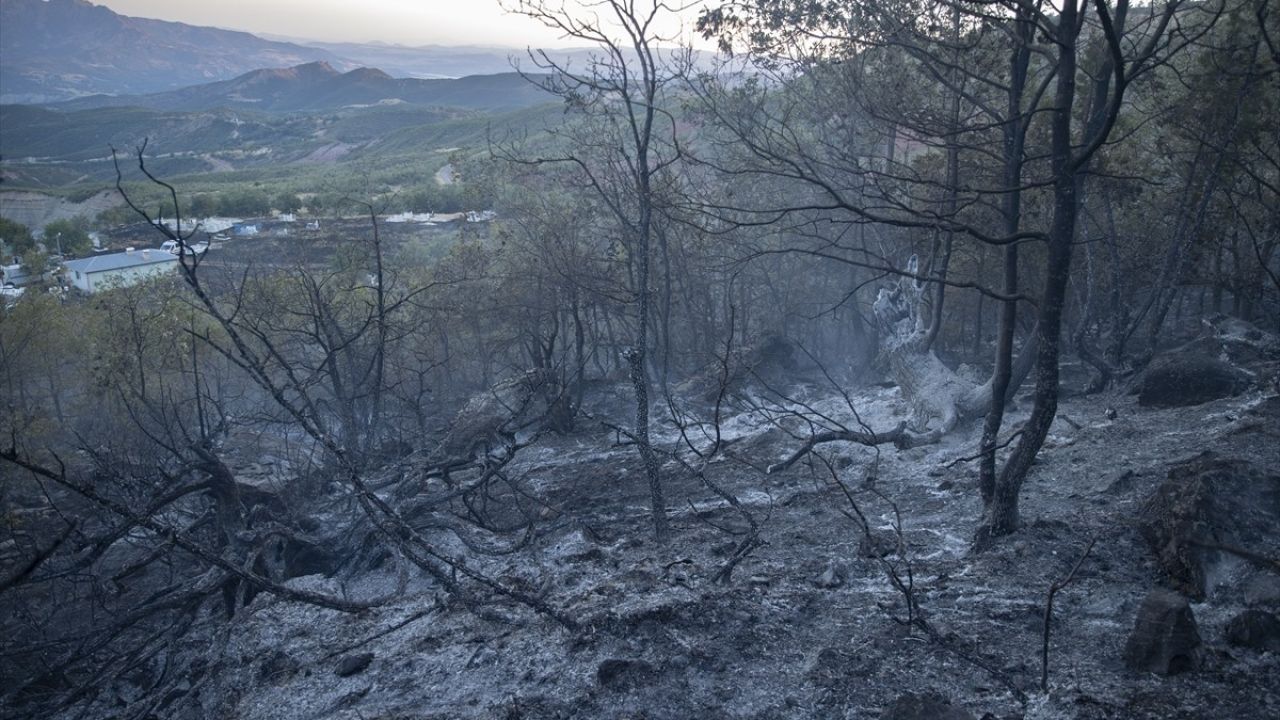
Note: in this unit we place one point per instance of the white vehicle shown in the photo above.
(9, 294)
(171, 246)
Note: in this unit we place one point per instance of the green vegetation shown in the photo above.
(224, 154)
(244, 201)
(16, 237)
(70, 236)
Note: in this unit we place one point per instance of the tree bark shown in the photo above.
(940, 399)
(1000, 511)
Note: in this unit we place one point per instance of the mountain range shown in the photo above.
(58, 49)
(55, 50)
(318, 86)
(437, 61)
(222, 108)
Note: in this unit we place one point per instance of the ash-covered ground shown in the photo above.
(808, 624)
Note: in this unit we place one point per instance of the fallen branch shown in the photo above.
(40, 557)
(904, 582)
(382, 633)
(179, 539)
(970, 458)
(1263, 561)
(899, 436)
(1048, 614)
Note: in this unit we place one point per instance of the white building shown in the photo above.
(17, 275)
(100, 272)
(213, 225)
(413, 217)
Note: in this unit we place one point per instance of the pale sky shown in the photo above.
(405, 22)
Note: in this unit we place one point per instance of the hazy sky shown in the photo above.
(407, 22)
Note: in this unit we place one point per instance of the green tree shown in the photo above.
(244, 202)
(287, 202)
(119, 215)
(35, 262)
(203, 205)
(15, 236)
(70, 237)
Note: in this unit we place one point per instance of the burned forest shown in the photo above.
(908, 360)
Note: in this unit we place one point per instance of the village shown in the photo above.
(129, 254)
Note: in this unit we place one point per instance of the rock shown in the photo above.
(619, 674)
(500, 410)
(1188, 378)
(925, 706)
(1206, 502)
(1122, 484)
(352, 697)
(1263, 589)
(353, 664)
(9, 552)
(1255, 629)
(830, 578)
(773, 360)
(1164, 638)
(1242, 342)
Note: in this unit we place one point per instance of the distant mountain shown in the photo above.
(436, 61)
(428, 61)
(318, 86)
(58, 49)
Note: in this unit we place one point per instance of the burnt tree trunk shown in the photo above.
(1014, 144)
(939, 398)
(1000, 498)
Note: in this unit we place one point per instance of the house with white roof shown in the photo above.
(101, 272)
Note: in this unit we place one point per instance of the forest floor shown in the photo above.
(807, 626)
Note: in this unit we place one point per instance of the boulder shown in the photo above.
(498, 411)
(925, 706)
(1165, 638)
(1242, 342)
(1207, 503)
(353, 664)
(772, 360)
(1255, 629)
(1188, 378)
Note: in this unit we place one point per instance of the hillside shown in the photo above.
(807, 625)
(69, 152)
(318, 87)
(63, 49)
(306, 115)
